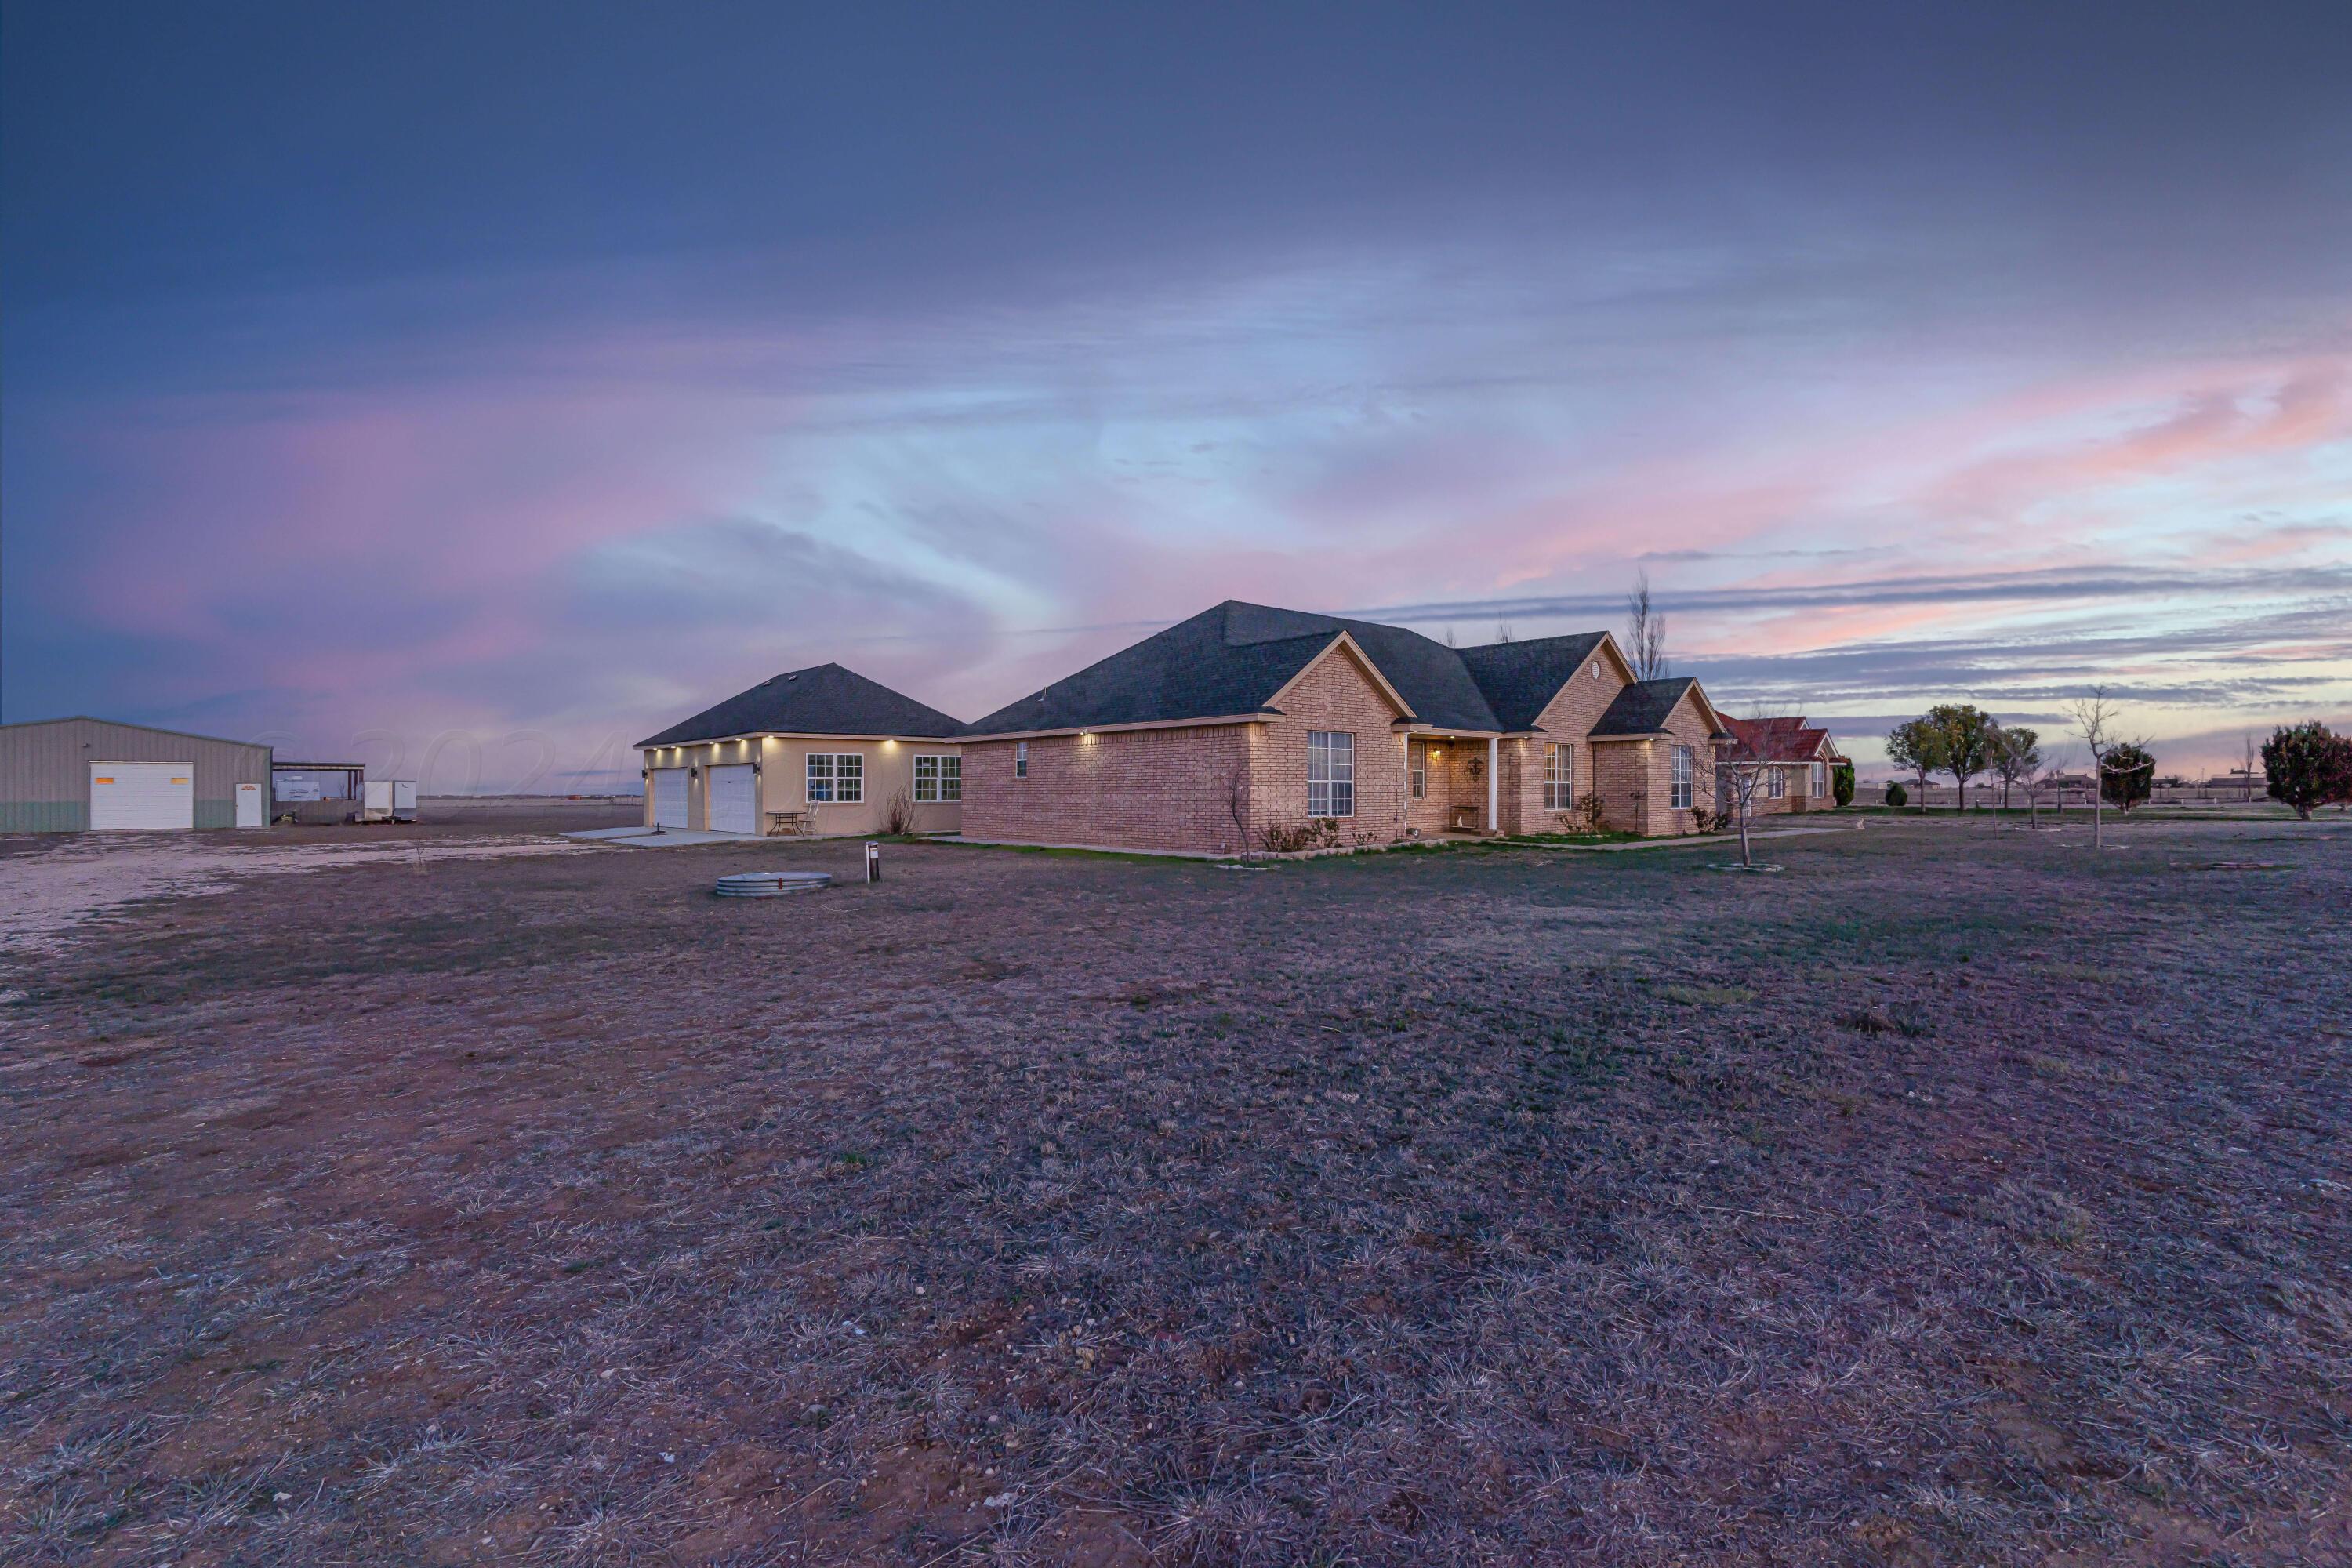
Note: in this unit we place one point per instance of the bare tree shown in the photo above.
(2096, 720)
(1237, 807)
(2040, 778)
(1739, 770)
(1503, 631)
(2247, 772)
(1645, 630)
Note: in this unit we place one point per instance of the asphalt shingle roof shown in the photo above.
(1205, 668)
(1643, 708)
(1233, 658)
(825, 699)
(1519, 677)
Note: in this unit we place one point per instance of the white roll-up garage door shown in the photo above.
(137, 797)
(734, 799)
(670, 797)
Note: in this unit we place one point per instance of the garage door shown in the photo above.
(734, 800)
(670, 797)
(133, 797)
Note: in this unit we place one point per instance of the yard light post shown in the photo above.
(873, 861)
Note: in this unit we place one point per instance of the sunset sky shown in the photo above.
(478, 389)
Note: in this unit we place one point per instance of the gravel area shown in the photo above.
(51, 886)
(1956, 1195)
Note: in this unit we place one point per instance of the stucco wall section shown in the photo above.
(889, 769)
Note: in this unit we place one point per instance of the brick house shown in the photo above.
(1798, 759)
(1250, 727)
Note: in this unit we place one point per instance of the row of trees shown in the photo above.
(1962, 740)
(2305, 765)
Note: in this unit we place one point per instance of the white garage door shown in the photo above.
(734, 799)
(670, 797)
(131, 797)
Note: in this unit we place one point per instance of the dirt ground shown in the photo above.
(1956, 1195)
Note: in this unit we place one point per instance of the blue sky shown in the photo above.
(495, 385)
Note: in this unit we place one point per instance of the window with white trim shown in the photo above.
(1020, 759)
(1559, 778)
(1820, 779)
(1420, 773)
(837, 776)
(937, 778)
(1776, 784)
(1678, 784)
(1330, 773)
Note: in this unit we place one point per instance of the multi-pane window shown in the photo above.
(1020, 759)
(1678, 790)
(836, 776)
(1776, 784)
(1820, 779)
(939, 778)
(1559, 778)
(1330, 774)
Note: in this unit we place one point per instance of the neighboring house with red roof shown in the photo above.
(1798, 759)
(1250, 727)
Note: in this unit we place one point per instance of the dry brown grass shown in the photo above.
(1952, 1198)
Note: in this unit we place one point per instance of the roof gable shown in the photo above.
(1645, 706)
(1781, 738)
(1345, 645)
(1520, 678)
(825, 700)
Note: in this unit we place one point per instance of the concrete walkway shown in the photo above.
(1729, 835)
(658, 838)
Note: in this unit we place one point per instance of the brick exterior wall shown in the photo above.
(1451, 782)
(1173, 788)
(1125, 789)
(1334, 693)
(1636, 777)
(1566, 720)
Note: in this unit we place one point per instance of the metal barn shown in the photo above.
(81, 776)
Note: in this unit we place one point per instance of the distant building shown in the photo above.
(83, 776)
(1802, 759)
